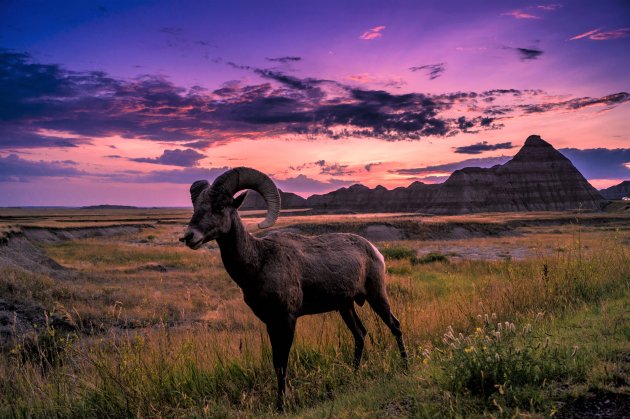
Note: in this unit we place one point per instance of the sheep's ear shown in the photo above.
(238, 201)
(196, 188)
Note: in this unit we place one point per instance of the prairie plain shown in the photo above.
(103, 313)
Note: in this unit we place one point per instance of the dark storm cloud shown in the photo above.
(528, 53)
(284, 60)
(577, 103)
(90, 104)
(479, 148)
(465, 125)
(15, 169)
(309, 110)
(325, 168)
(16, 136)
(201, 144)
(45, 98)
(600, 163)
(433, 71)
(335, 169)
(285, 79)
(368, 167)
(184, 158)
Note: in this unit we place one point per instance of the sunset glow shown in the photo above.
(130, 102)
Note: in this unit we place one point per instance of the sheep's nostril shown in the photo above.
(186, 237)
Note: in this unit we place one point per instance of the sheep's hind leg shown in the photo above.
(381, 306)
(353, 322)
(358, 320)
(281, 336)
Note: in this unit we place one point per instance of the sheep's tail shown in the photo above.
(376, 273)
(377, 254)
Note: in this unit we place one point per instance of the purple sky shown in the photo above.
(129, 102)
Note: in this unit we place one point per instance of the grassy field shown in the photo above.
(533, 322)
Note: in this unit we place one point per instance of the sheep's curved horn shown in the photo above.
(196, 188)
(241, 178)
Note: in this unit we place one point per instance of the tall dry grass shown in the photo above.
(223, 367)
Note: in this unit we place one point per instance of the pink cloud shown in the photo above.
(386, 81)
(373, 33)
(615, 34)
(362, 78)
(599, 35)
(519, 14)
(585, 34)
(549, 7)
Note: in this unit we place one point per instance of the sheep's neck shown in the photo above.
(239, 253)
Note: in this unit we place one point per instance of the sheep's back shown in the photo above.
(331, 268)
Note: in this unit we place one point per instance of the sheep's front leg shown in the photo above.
(350, 317)
(281, 334)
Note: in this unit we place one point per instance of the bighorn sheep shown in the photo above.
(284, 275)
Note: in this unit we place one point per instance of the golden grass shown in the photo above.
(180, 341)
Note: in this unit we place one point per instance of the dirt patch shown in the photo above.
(20, 319)
(153, 267)
(16, 319)
(408, 230)
(18, 250)
(55, 235)
(599, 404)
(472, 252)
(398, 408)
(19, 253)
(382, 232)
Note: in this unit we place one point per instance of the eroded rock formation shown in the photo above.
(618, 191)
(538, 178)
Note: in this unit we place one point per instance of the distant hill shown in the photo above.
(107, 206)
(363, 199)
(618, 191)
(538, 178)
(288, 201)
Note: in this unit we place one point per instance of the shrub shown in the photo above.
(397, 252)
(499, 359)
(46, 349)
(429, 258)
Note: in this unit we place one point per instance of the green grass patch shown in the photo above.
(397, 252)
(429, 258)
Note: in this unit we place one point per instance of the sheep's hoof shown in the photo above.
(279, 406)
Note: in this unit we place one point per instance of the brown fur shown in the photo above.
(284, 275)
